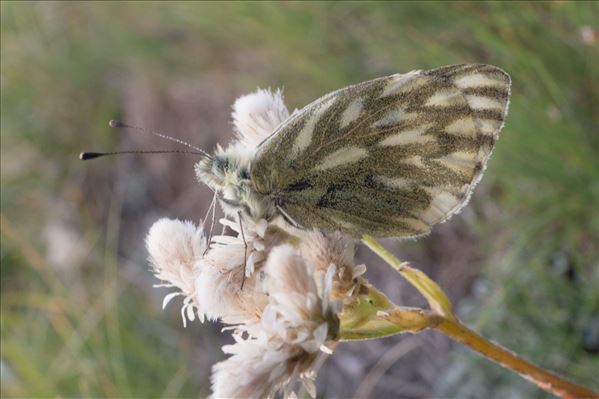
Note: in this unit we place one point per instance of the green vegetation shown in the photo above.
(78, 315)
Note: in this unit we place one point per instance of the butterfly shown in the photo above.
(390, 157)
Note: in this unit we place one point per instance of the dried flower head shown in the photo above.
(219, 283)
(326, 249)
(257, 115)
(293, 330)
(174, 248)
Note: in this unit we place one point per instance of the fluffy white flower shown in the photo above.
(211, 280)
(218, 286)
(283, 315)
(295, 312)
(257, 115)
(258, 368)
(292, 331)
(174, 248)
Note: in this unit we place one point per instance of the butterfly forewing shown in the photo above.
(388, 157)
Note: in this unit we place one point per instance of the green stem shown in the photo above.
(387, 323)
(436, 298)
(541, 377)
(443, 319)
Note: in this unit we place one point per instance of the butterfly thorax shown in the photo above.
(227, 172)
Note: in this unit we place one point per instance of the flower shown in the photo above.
(174, 248)
(218, 285)
(293, 329)
(298, 311)
(326, 249)
(257, 115)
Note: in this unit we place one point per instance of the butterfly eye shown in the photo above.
(221, 164)
(244, 174)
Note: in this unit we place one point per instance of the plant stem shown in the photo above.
(435, 296)
(444, 320)
(544, 379)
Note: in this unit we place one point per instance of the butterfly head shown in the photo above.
(226, 167)
(227, 172)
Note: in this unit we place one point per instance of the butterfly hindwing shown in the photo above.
(388, 157)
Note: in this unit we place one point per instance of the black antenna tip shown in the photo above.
(114, 123)
(84, 156)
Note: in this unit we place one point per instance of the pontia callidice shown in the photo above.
(388, 157)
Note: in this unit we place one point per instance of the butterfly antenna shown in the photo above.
(84, 156)
(122, 125)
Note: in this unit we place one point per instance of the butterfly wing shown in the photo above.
(388, 157)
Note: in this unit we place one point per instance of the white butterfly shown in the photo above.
(389, 157)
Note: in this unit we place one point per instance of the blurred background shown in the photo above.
(79, 314)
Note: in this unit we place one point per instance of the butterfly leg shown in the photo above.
(288, 218)
(212, 209)
(245, 250)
